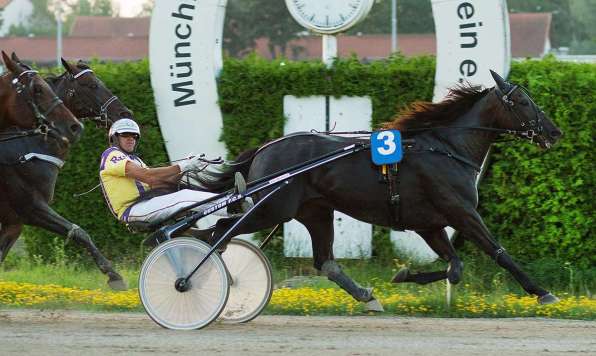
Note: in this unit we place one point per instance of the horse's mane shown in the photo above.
(426, 114)
(54, 78)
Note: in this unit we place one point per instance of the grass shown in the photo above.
(32, 284)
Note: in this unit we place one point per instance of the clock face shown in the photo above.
(328, 16)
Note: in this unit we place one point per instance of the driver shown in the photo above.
(137, 193)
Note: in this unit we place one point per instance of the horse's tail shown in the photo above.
(222, 178)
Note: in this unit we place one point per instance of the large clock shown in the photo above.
(328, 16)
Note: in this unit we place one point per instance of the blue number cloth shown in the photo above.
(386, 147)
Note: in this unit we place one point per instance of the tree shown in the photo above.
(42, 21)
(584, 13)
(413, 16)
(147, 8)
(563, 27)
(248, 20)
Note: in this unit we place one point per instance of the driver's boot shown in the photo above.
(241, 206)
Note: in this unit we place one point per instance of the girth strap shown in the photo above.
(47, 158)
(391, 177)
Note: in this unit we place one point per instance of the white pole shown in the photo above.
(329, 49)
(448, 293)
(58, 35)
(393, 26)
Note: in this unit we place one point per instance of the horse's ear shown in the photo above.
(82, 64)
(67, 66)
(501, 83)
(10, 64)
(15, 57)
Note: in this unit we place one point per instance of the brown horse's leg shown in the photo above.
(318, 220)
(439, 242)
(9, 234)
(41, 215)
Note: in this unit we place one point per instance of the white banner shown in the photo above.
(185, 58)
(472, 37)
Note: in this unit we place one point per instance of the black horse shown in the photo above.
(27, 187)
(448, 142)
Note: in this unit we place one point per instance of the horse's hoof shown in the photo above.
(454, 272)
(374, 306)
(548, 299)
(401, 276)
(117, 284)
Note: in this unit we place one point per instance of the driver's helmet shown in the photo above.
(122, 126)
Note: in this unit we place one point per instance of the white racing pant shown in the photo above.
(158, 208)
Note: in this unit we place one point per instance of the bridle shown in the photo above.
(43, 126)
(533, 127)
(101, 117)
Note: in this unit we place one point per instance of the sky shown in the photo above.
(129, 8)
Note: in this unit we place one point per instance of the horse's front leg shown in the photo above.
(41, 215)
(10, 228)
(469, 222)
(438, 241)
(9, 234)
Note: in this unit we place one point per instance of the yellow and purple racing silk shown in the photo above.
(119, 190)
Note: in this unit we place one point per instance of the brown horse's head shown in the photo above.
(87, 96)
(28, 102)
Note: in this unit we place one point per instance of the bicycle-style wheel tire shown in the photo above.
(252, 281)
(201, 303)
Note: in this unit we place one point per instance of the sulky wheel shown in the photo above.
(251, 281)
(206, 295)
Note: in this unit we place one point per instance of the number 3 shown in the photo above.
(388, 139)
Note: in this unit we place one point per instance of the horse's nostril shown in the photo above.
(556, 133)
(75, 128)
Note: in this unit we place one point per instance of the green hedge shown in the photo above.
(541, 203)
(538, 203)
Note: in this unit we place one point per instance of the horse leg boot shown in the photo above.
(334, 273)
(439, 242)
(318, 220)
(81, 237)
(475, 230)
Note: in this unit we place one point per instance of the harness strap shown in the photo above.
(456, 157)
(82, 72)
(42, 157)
(104, 107)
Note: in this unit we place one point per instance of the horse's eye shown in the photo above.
(93, 85)
(524, 102)
(37, 90)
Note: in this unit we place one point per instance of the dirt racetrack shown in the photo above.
(25, 332)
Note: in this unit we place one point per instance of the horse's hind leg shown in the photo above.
(318, 220)
(438, 242)
(43, 216)
(9, 234)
